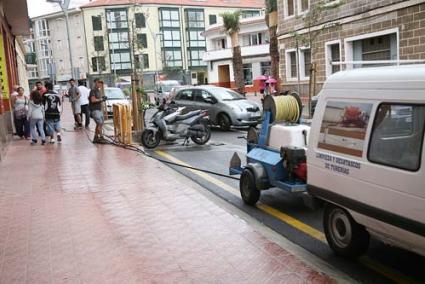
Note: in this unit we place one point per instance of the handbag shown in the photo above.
(22, 112)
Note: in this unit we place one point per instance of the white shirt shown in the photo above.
(84, 95)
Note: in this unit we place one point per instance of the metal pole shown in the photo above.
(65, 10)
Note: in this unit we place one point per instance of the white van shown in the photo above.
(366, 158)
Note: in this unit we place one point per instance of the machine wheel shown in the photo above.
(204, 139)
(224, 122)
(249, 192)
(150, 140)
(345, 237)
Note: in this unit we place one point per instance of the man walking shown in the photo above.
(95, 105)
(52, 102)
(74, 97)
(84, 103)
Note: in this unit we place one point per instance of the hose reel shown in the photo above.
(284, 107)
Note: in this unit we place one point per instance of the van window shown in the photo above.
(344, 126)
(397, 136)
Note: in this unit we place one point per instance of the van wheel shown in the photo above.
(224, 122)
(345, 237)
(249, 192)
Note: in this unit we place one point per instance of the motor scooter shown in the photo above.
(170, 124)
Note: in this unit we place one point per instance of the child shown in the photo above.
(36, 117)
(52, 101)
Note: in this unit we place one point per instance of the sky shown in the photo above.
(41, 7)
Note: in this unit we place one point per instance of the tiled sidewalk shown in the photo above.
(84, 213)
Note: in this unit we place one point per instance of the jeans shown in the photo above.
(53, 125)
(97, 116)
(37, 123)
(22, 126)
(86, 111)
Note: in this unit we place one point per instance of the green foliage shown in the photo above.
(271, 6)
(231, 21)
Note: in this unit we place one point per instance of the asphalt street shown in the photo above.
(287, 214)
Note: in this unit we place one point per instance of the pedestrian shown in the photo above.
(40, 88)
(74, 97)
(52, 103)
(20, 113)
(95, 105)
(84, 103)
(36, 117)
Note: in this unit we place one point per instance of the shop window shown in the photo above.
(247, 73)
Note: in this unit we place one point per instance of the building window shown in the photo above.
(196, 58)
(397, 135)
(98, 63)
(254, 39)
(171, 38)
(305, 60)
(120, 61)
(250, 13)
(196, 39)
(42, 28)
(195, 18)
(303, 6)
(44, 48)
(173, 58)
(289, 8)
(98, 43)
(291, 64)
(145, 62)
(140, 20)
(333, 54)
(265, 68)
(142, 41)
(247, 73)
(117, 19)
(118, 40)
(213, 19)
(380, 46)
(96, 23)
(169, 18)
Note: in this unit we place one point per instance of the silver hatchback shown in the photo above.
(225, 107)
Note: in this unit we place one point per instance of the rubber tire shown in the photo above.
(202, 142)
(224, 122)
(249, 192)
(357, 244)
(146, 136)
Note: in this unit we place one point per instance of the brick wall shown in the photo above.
(409, 21)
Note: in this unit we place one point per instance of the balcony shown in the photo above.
(253, 50)
(31, 58)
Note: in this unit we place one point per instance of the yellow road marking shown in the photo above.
(389, 273)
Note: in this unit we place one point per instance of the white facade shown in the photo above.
(50, 44)
(254, 42)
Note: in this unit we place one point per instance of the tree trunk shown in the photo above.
(237, 64)
(274, 54)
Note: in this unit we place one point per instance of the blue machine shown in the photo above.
(267, 167)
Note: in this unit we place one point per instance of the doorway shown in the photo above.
(224, 76)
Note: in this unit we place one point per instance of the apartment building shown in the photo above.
(254, 40)
(355, 30)
(47, 48)
(163, 36)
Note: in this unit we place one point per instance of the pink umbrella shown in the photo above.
(261, 78)
(271, 81)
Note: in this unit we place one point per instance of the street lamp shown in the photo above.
(64, 4)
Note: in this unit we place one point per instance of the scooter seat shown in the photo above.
(187, 115)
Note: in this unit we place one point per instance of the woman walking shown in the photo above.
(20, 112)
(36, 117)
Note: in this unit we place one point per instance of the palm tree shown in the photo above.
(231, 26)
(271, 20)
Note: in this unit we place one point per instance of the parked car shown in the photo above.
(115, 96)
(226, 108)
(163, 90)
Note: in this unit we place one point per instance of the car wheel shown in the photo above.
(150, 139)
(249, 192)
(345, 237)
(224, 122)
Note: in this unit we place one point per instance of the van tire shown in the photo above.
(345, 237)
(224, 121)
(248, 188)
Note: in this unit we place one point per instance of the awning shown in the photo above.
(16, 13)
